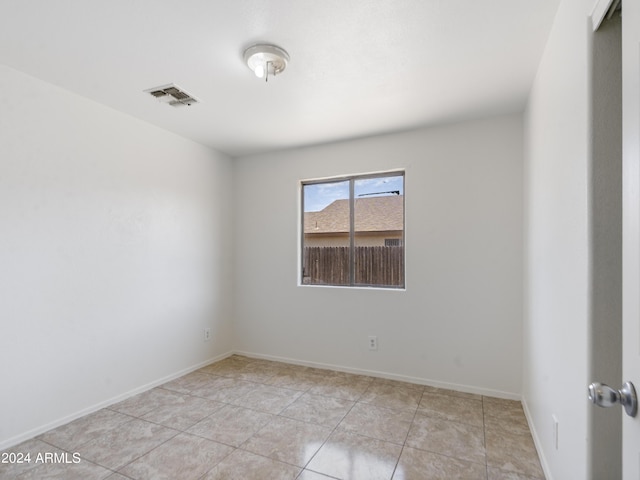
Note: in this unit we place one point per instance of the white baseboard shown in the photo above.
(390, 376)
(94, 408)
(536, 440)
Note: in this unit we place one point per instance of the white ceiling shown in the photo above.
(358, 67)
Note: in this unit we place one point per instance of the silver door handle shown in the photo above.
(605, 396)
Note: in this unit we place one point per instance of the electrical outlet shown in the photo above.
(555, 431)
(373, 343)
(207, 334)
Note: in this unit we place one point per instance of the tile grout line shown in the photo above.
(406, 437)
(484, 440)
(329, 436)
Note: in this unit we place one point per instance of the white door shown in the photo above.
(631, 227)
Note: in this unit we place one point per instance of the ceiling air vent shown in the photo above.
(173, 95)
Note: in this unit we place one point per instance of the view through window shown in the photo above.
(353, 231)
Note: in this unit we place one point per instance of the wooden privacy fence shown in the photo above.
(373, 266)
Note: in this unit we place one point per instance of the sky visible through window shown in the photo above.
(318, 196)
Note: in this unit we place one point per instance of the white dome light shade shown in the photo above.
(265, 60)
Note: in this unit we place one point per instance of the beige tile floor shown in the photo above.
(248, 419)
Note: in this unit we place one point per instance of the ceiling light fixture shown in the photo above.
(265, 60)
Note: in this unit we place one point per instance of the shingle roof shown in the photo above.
(374, 214)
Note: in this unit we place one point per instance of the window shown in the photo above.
(353, 231)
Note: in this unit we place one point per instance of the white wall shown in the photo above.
(114, 255)
(459, 321)
(557, 266)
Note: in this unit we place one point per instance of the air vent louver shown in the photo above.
(173, 95)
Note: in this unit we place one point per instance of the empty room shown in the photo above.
(277, 239)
